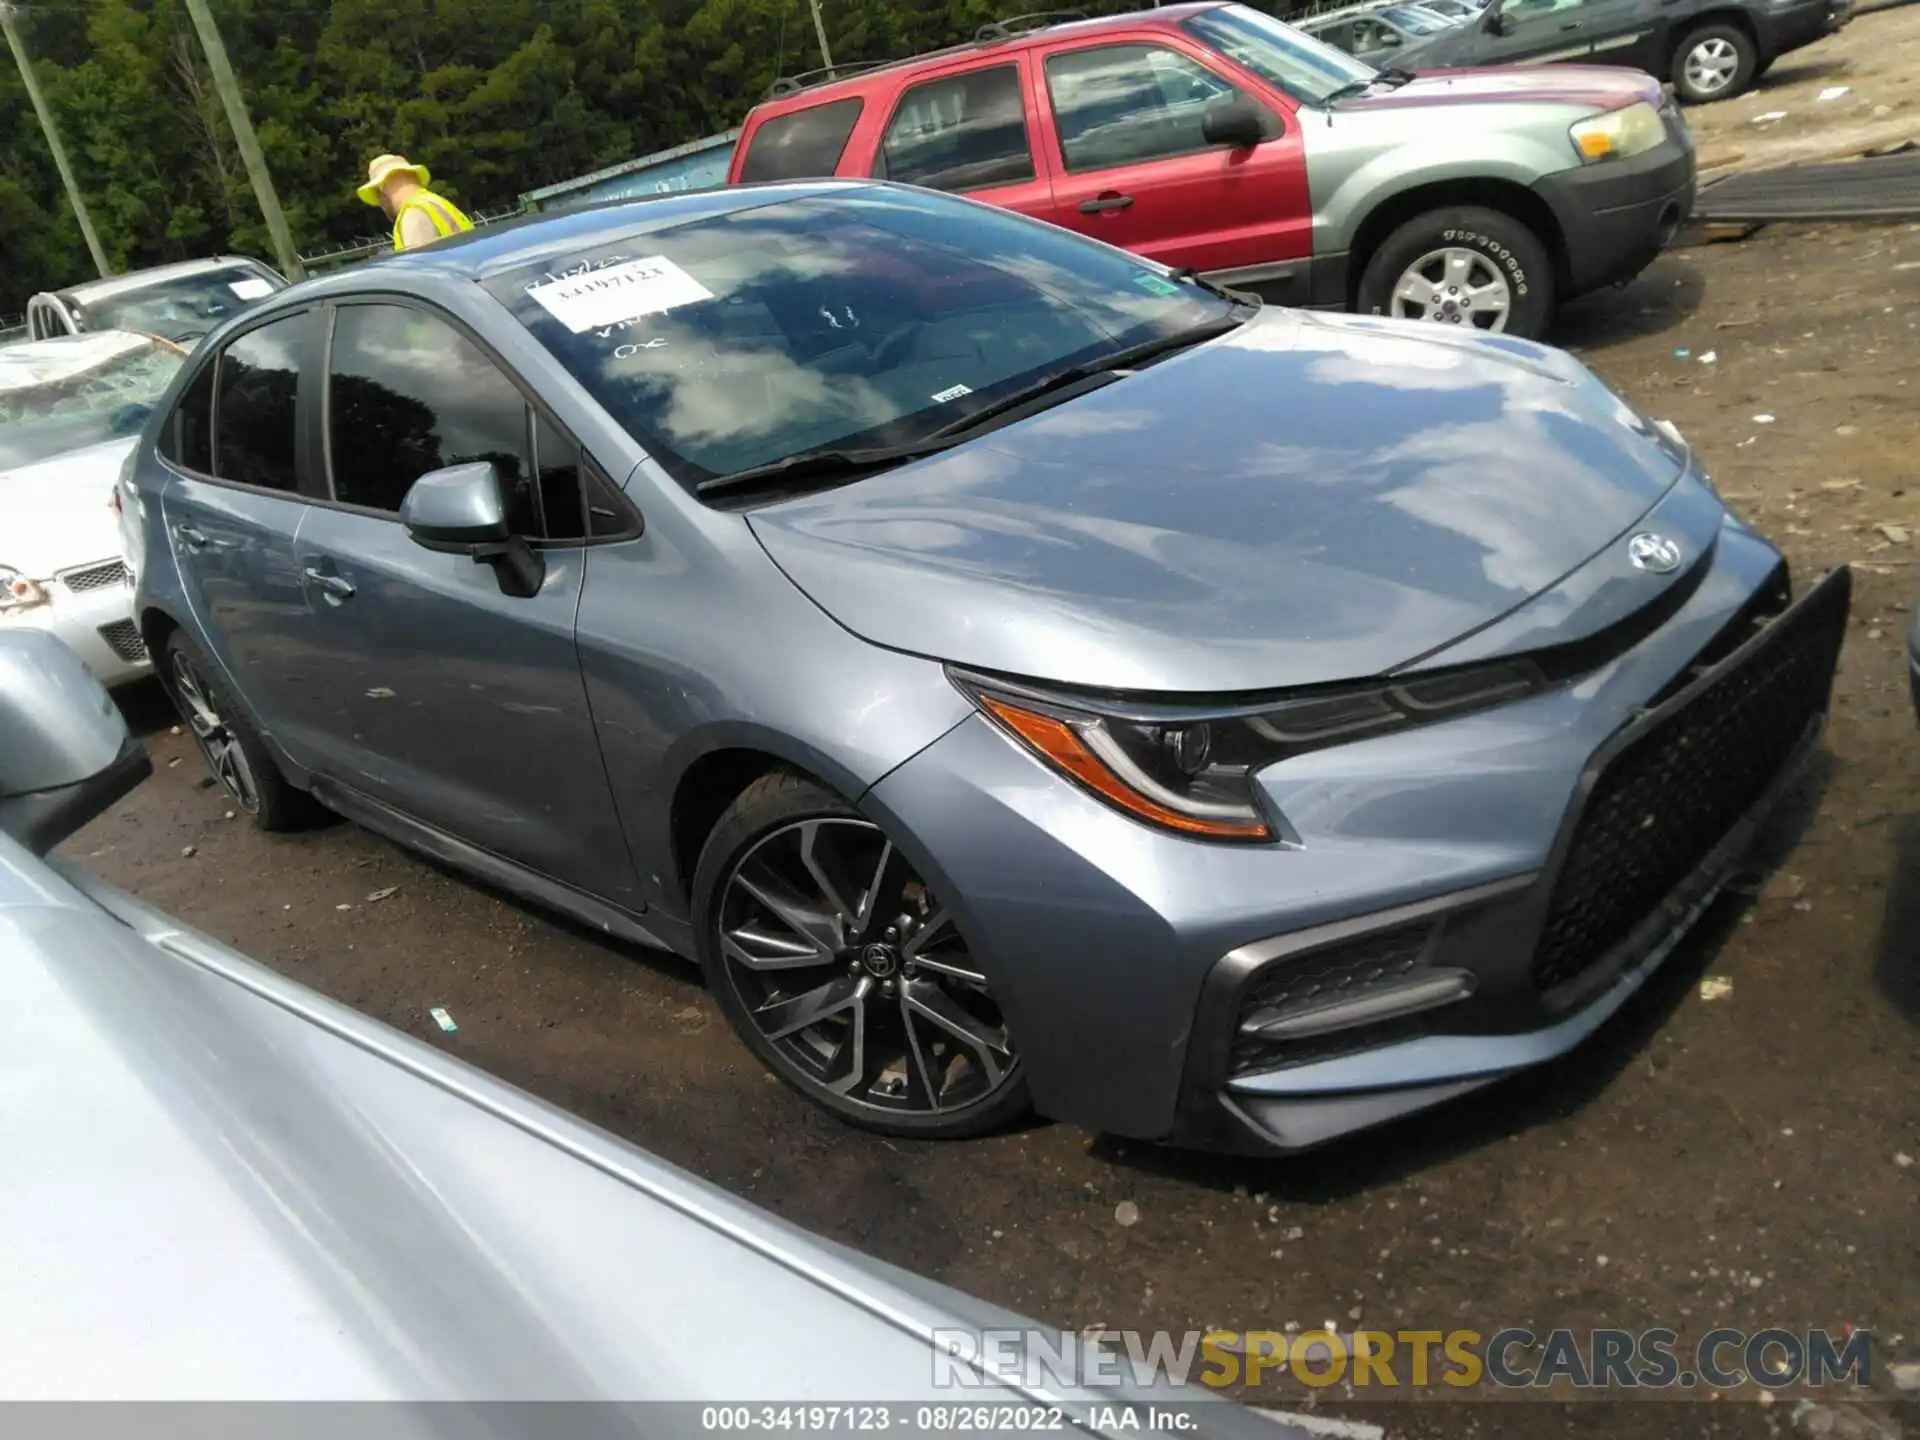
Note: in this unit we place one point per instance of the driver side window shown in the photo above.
(408, 393)
(1122, 104)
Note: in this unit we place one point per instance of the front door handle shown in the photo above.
(189, 536)
(1101, 204)
(333, 586)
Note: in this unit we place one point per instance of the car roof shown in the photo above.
(554, 235)
(46, 362)
(90, 290)
(808, 96)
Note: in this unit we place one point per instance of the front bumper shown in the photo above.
(1789, 27)
(95, 619)
(1617, 215)
(1104, 940)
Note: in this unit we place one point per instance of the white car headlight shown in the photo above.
(1619, 134)
(17, 592)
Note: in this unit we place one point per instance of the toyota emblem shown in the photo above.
(1656, 553)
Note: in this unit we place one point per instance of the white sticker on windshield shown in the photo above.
(954, 393)
(251, 289)
(619, 292)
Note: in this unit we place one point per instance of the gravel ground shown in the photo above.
(1725, 1153)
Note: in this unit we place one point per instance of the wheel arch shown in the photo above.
(711, 771)
(1508, 197)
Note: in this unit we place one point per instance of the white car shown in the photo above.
(178, 302)
(70, 412)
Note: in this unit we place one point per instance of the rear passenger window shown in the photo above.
(1122, 104)
(187, 439)
(802, 144)
(960, 132)
(255, 387)
(407, 393)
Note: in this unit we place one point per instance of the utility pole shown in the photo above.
(820, 32)
(250, 153)
(53, 142)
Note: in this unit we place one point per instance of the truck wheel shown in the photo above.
(1462, 266)
(1714, 62)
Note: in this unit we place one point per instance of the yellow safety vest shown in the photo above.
(447, 217)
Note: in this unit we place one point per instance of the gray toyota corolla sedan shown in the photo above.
(1018, 673)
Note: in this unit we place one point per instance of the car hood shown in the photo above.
(1604, 87)
(54, 515)
(1307, 499)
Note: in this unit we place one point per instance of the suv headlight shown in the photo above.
(1619, 134)
(1191, 769)
(17, 592)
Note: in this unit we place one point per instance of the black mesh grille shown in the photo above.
(1676, 790)
(124, 640)
(95, 577)
(1299, 982)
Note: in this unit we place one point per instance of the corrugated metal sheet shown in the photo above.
(1885, 187)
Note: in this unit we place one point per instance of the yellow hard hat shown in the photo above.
(383, 168)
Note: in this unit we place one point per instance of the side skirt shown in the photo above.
(496, 870)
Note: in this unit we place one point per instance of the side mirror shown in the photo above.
(1238, 123)
(1496, 23)
(65, 754)
(462, 510)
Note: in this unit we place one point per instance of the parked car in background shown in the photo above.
(70, 412)
(223, 1186)
(176, 302)
(1214, 138)
(1016, 673)
(1709, 49)
(1372, 32)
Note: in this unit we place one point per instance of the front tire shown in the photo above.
(1714, 62)
(233, 750)
(839, 968)
(1465, 267)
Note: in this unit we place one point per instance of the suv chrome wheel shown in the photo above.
(1711, 65)
(1454, 286)
(215, 737)
(854, 975)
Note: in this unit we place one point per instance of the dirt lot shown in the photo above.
(1728, 1160)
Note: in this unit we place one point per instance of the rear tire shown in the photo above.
(1714, 62)
(843, 972)
(1465, 267)
(236, 755)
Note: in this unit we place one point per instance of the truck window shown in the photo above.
(960, 132)
(802, 144)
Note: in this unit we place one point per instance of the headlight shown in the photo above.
(17, 592)
(1619, 134)
(1192, 770)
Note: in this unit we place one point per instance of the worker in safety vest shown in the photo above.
(420, 217)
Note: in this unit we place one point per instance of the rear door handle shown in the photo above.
(333, 586)
(1101, 204)
(190, 537)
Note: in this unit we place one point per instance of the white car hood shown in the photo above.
(54, 515)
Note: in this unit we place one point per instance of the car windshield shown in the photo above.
(1308, 69)
(865, 318)
(72, 408)
(181, 309)
(1414, 22)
